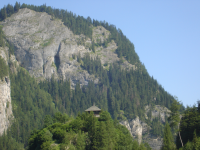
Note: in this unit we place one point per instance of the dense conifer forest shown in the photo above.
(50, 113)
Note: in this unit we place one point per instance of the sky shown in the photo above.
(166, 36)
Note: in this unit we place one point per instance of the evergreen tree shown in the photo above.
(80, 143)
(16, 7)
(174, 117)
(168, 141)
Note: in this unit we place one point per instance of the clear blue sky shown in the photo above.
(166, 35)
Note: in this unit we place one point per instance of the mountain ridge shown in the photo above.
(38, 49)
(114, 80)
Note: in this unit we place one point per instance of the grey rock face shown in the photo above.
(6, 114)
(157, 111)
(136, 128)
(44, 46)
(140, 129)
(154, 142)
(100, 34)
(108, 55)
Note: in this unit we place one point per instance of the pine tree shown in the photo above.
(16, 7)
(174, 117)
(168, 143)
(103, 136)
(80, 143)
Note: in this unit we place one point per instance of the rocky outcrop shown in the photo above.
(154, 142)
(141, 131)
(157, 111)
(6, 114)
(107, 54)
(136, 127)
(44, 47)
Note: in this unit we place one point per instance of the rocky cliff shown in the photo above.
(136, 127)
(44, 46)
(141, 131)
(6, 114)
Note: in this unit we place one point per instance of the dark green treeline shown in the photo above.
(86, 132)
(186, 133)
(190, 128)
(30, 105)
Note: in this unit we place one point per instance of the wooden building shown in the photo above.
(95, 109)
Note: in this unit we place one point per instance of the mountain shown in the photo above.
(60, 62)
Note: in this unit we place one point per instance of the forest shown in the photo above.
(49, 114)
(182, 132)
(84, 132)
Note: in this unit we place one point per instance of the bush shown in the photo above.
(3, 68)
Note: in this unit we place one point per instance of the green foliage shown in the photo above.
(157, 127)
(48, 121)
(47, 42)
(147, 146)
(168, 141)
(3, 13)
(30, 105)
(3, 68)
(192, 145)
(189, 128)
(11, 49)
(135, 88)
(93, 46)
(94, 133)
(129, 91)
(1, 37)
(58, 117)
(16, 7)
(4, 42)
(8, 143)
(174, 117)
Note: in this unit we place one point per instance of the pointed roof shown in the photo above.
(93, 108)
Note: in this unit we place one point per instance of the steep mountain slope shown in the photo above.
(55, 50)
(44, 46)
(144, 131)
(6, 114)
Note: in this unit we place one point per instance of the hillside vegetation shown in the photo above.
(84, 132)
(122, 93)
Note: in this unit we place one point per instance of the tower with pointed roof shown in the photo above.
(95, 109)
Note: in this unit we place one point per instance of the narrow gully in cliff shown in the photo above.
(57, 58)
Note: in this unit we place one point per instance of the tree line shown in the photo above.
(85, 132)
(182, 132)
